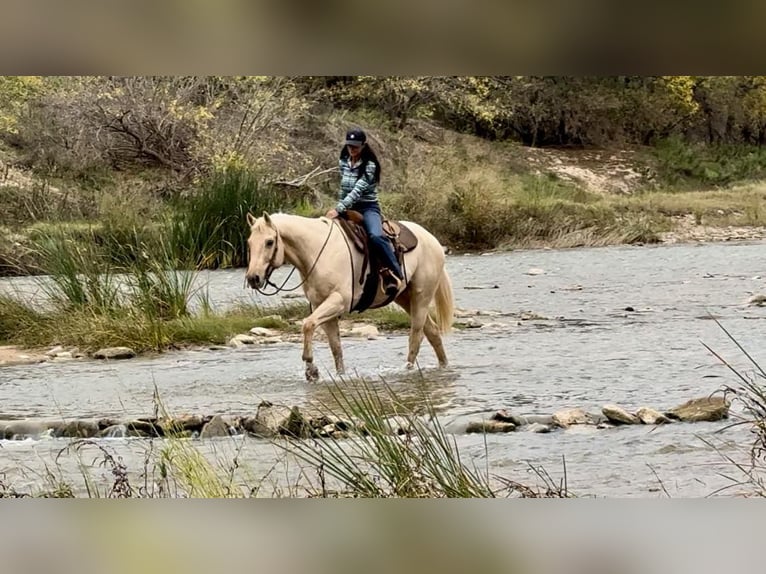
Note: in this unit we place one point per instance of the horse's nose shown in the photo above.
(254, 281)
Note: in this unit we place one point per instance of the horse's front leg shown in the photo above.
(330, 308)
(332, 330)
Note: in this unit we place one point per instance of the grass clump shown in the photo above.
(423, 462)
(208, 228)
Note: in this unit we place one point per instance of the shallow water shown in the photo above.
(586, 351)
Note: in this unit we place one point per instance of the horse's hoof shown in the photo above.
(312, 373)
(410, 366)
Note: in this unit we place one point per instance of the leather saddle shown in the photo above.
(401, 237)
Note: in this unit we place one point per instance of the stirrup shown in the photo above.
(391, 283)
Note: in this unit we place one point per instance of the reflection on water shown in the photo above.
(616, 325)
(414, 392)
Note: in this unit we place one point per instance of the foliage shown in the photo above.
(15, 94)
(686, 164)
(181, 124)
(209, 228)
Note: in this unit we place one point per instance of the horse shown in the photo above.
(331, 269)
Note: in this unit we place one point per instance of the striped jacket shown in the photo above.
(355, 189)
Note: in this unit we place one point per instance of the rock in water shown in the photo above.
(489, 427)
(702, 409)
(216, 427)
(568, 417)
(115, 353)
(505, 416)
(649, 416)
(618, 415)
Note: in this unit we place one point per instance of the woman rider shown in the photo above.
(359, 178)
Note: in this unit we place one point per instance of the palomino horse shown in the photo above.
(330, 270)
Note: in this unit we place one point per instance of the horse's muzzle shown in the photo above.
(254, 281)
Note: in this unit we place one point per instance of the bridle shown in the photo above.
(270, 268)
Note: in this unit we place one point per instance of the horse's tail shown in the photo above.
(445, 303)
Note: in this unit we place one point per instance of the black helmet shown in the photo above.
(355, 137)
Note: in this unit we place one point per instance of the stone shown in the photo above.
(255, 426)
(489, 427)
(649, 416)
(759, 300)
(242, 339)
(115, 353)
(618, 415)
(144, 427)
(539, 419)
(568, 417)
(702, 409)
(215, 428)
(15, 430)
(271, 420)
(187, 422)
(327, 430)
(295, 425)
(268, 419)
(538, 428)
(369, 332)
(505, 416)
(77, 429)
(535, 271)
(262, 332)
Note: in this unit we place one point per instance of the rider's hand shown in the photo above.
(332, 214)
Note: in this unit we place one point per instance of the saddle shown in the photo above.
(400, 236)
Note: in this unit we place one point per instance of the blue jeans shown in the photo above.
(373, 223)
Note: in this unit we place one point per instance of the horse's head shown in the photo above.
(266, 251)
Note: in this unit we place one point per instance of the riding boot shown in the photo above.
(391, 283)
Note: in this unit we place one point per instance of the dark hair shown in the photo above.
(367, 155)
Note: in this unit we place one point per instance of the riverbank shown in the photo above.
(473, 194)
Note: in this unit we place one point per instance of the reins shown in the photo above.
(271, 268)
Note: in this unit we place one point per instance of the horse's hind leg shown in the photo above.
(330, 308)
(332, 329)
(435, 339)
(430, 329)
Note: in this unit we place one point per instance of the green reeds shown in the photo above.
(422, 461)
(209, 227)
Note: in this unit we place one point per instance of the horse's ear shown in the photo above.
(250, 219)
(266, 218)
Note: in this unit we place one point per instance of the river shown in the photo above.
(577, 346)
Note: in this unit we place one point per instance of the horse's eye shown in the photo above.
(269, 243)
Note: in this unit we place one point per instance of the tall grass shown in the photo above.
(209, 229)
(749, 391)
(81, 274)
(16, 318)
(423, 461)
(95, 300)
